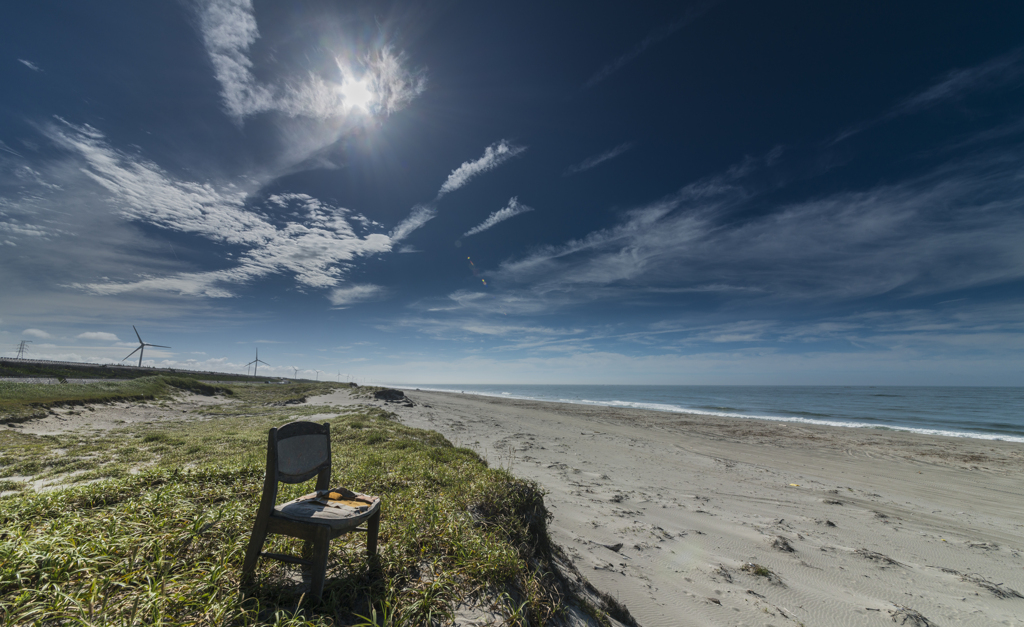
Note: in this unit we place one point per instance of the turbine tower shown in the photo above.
(255, 363)
(318, 374)
(296, 375)
(142, 347)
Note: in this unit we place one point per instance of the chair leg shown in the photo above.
(256, 540)
(307, 550)
(372, 529)
(319, 568)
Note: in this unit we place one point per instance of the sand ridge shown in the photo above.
(698, 520)
(106, 416)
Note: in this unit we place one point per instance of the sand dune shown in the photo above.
(692, 520)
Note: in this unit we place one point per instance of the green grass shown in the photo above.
(165, 546)
(24, 401)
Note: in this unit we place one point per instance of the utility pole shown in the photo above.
(21, 348)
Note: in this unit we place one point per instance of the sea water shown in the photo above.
(994, 413)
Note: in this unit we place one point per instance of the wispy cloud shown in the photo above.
(98, 335)
(1002, 70)
(920, 236)
(317, 248)
(658, 35)
(229, 29)
(596, 160)
(4, 147)
(30, 65)
(36, 333)
(494, 155)
(145, 192)
(420, 215)
(512, 209)
(344, 296)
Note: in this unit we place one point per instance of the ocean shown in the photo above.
(992, 413)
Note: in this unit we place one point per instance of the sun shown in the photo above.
(357, 94)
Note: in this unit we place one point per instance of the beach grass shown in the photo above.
(153, 524)
(24, 401)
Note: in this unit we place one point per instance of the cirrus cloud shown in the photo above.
(494, 155)
(512, 209)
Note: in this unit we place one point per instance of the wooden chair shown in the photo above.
(295, 453)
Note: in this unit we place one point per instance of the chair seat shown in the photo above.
(323, 512)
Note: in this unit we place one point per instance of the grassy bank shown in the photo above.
(165, 546)
(24, 401)
(43, 368)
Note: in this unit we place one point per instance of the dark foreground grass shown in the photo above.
(165, 546)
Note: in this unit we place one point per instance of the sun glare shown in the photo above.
(357, 94)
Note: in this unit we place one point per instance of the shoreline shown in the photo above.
(676, 409)
(667, 511)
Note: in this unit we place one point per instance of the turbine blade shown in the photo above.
(137, 334)
(157, 346)
(132, 353)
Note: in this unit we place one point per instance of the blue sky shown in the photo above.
(704, 193)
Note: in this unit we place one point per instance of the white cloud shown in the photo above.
(14, 228)
(953, 229)
(229, 29)
(316, 249)
(420, 215)
(393, 85)
(513, 208)
(343, 296)
(98, 335)
(36, 333)
(596, 160)
(145, 192)
(30, 65)
(494, 155)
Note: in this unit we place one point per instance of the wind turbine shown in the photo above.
(318, 374)
(296, 375)
(142, 347)
(255, 363)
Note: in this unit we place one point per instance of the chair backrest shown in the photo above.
(300, 450)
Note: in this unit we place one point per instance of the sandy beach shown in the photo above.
(700, 520)
(696, 520)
